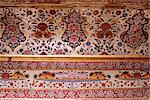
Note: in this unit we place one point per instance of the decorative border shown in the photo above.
(61, 65)
(66, 62)
(77, 3)
(68, 58)
(30, 62)
(62, 94)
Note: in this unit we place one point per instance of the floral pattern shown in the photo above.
(93, 31)
(50, 65)
(136, 33)
(77, 31)
(73, 79)
(12, 35)
(74, 33)
(64, 94)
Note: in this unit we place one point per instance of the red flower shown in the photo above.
(103, 84)
(5, 76)
(53, 12)
(74, 27)
(12, 28)
(11, 83)
(95, 12)
(105, 26)
(137, 75)
(42, 26)
(105, 31)
(41, 84)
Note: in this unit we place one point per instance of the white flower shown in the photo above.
(71, 94)
(120, 93)
(20, 94)
(82, 94)
(51, 94)
(2, 94)
(32, 93)
(129, 93)
(100, 93)
(11, 94)
(41, 94)
(109, 93)
(60, 94)
(91, 94)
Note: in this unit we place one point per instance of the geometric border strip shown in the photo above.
(62, 94)
(82, 65)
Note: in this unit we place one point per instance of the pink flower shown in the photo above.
(74, 27)
(13, 39)
(59, 51)
(133, 39)
(27, 52)
(74, 38)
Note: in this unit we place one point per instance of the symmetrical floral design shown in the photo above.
(12, 76)
(77, 31)
(136, 33)
(71, 75)
(76, 79)
(12, 35)
(105, 31)
(74, 33)
(40, 24)
(65, 31)
(126, 75)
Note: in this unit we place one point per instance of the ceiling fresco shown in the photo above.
(80, 31)
(75, 49)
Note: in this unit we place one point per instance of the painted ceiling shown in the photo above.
(91, 28)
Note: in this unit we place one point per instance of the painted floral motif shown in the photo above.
(104, 38)
(94, 31)
(105, 31)
(136, 35)
(74, 33)
(98, 75)
(45, 76)
(41, 25)
(13, 76)
(72, 75)
(133, 76)
(53, 79)
(12, 35)
(25, 65)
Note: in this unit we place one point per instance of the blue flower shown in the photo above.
(88, 43)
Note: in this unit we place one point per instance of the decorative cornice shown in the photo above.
(139, 4)
(72, 58)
